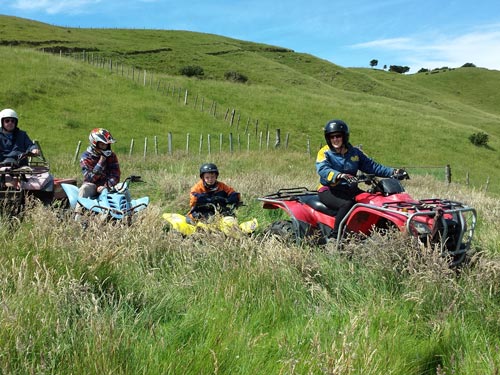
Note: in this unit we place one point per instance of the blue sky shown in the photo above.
(349, 33)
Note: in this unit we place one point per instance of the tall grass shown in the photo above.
(139, 299)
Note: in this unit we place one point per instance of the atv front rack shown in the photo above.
(454, 222)
(425, 205)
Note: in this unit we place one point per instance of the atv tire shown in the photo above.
(282, 230)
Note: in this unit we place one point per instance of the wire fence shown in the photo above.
(254, 136)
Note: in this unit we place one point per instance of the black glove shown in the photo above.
(400, 174)
(348, 177)
(203, 200)
(219, 200)
(233, 198)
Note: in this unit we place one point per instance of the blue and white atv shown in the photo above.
(114, 204)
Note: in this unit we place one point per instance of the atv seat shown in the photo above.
(314, 202)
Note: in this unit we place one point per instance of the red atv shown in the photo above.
(384, 206)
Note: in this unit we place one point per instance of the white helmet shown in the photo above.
(8, 113)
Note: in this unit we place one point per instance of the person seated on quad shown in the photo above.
(13, 141)
(99, 164)
(337, 164)
(209, 190)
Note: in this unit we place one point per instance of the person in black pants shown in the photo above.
(337, 164)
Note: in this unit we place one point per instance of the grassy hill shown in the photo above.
(401, 120)
(142, 300)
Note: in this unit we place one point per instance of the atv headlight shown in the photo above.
(421, 228)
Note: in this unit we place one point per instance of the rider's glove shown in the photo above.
(347, 177)
(399, 173)
(233, 198)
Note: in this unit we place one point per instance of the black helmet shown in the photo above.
(208, 167)
(336, 126)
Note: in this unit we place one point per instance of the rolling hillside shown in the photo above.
(406, 120)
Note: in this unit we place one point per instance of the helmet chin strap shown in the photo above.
(106, 152)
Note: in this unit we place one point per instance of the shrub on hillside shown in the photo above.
(468, 65)
(235, 76)
(479, 139)
(399, 69)
(192, 71)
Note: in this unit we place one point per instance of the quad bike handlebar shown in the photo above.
(124, 185)
(371, 178)
(13, 159)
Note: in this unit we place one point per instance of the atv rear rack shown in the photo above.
(289, 194)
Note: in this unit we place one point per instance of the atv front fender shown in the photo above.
(72, 194)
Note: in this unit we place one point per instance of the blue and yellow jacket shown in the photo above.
(330, 164)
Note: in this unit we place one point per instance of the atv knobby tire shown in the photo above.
(282, 230)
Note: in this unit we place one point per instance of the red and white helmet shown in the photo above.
(8, 113)
(101, 135)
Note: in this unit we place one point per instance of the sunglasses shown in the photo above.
(335, 135)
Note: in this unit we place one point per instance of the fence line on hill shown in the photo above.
(232, 116)
(141, 76)
(207, 146)
(232, 144)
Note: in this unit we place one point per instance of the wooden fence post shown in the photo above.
(246, 127)
(170, 143)
(145, 147)
(187, 143)
(231, 143)
(77, 152)
(156, 145)
(209, 144)
(131, 147)
(186, 97)
(448, 174)
(232, 118)
(201, 144)
(277, 142)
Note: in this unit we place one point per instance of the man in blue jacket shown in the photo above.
(12, 139)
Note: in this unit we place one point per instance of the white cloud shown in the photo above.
(479, 47)
(54, 6)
